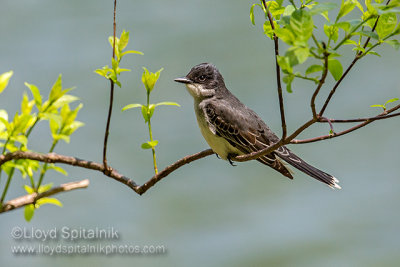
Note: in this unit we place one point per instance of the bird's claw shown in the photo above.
(230, 160)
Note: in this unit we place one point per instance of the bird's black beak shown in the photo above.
(183, 80)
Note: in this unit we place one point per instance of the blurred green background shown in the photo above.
(207, 213)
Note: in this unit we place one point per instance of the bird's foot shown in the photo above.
(230, 160)
(217, 156)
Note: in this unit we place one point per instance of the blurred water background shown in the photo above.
(207, 213)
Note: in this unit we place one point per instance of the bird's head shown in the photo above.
(203, 81)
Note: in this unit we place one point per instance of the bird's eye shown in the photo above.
(202, 78)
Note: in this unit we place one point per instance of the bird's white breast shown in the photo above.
(218, 144)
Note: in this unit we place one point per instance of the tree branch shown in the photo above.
(278, 73)
(112, 173)
(32, 198)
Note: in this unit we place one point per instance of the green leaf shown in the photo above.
(378, 106)
(386, 24)
(55, 120)
(358, 5)
(57, 169)
(29, 189)
(394, 43)
(289, 9)
(149, 79)
(370, 8)
(275, 9)
(167, 104)
(44, 188)
(150, 144)
(26, 105)
(68, 115)
(344, 25)
(105, 72)
(359, 48)
(151, 110)
(345, 8)
(335, 68)
(57, 137)
(123, 41)
(56, 90)
(114, 64)
(131, 106)
(302, 24)
(252, 14)
(268, 28)
(391, 101)
(284, 64)
(4, 115)
(4, 79)
(65, 99)
(350, 42)
(321, 8)
(145, 113)
(314, 68)
(48, 200)
(397, 31)
(297, 55)
(373, 53)
(36, 94)
(131, 52)
(72, 127)
(302, 54)
(3, 120)
(288, 79)
(29, 211)
(146, 146)
(153, 143)
(285, 35)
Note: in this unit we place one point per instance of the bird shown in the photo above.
(231, 128)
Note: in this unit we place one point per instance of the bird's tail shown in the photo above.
(303, 166)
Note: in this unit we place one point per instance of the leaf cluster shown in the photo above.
(15, 131)
(295, 26)
(119, 44)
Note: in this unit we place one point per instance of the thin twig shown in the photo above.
(321, 82)
(379, 117)
(332, 92)
(32, 198)
(107, 132)
(278, 73)
(330, 124)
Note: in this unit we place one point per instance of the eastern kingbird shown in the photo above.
(231, 128)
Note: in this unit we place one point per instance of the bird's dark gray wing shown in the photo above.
(246, 131)
(241, 132)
